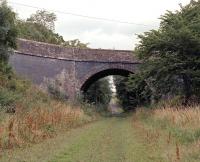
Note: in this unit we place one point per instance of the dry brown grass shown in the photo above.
(25, 127)
(29, 115)
(180, 116)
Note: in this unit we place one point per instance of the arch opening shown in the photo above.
(103, 74)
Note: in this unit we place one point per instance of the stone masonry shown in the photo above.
(72, 69)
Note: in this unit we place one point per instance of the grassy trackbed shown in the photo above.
(111, 140)
(160, 135)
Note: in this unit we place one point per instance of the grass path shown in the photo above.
(109, 140)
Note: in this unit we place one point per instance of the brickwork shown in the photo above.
(55, 51)
(74, 67)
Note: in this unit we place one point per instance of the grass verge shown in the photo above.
(175, 130)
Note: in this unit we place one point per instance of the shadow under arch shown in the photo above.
(102, 74)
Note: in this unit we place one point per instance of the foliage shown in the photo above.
(126, 99)
(8, 32)
(41, 27)
(55, 91)
(99, 92)
(171, 55)
(44, 18)
(11, 91)
(132, 91)
(38, 32)
(7, 98)
(75, 44)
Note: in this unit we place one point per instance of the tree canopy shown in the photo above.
(41, 27)
(37, 32)
(44, 18)
(8, 31)
(99, 93)
(171, 54)
(171, 58)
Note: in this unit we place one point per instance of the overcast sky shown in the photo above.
(102, 34)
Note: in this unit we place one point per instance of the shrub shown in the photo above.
(56, 92)
(7, 98)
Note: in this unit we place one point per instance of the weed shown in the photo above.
(35, 115)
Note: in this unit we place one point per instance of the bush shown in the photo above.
(7, 98)
(8, 31)
(56, 92)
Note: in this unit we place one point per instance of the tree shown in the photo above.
(132, 91)
(8, 32)
(99, 93)
(41, 27)
(37, 32)
(121, 92)
(171, 54)
(44, 18)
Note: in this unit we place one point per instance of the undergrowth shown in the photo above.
(29, 115)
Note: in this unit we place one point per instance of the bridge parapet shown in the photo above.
(40, 49)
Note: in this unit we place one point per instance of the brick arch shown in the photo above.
(77, 68)
(92, 77)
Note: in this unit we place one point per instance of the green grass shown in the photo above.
(111, 140)
(116, 139)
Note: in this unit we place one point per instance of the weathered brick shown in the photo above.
(75, 68)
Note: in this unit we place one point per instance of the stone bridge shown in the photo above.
(72, 70)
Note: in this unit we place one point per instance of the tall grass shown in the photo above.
(184, 117)
(175, 129)
(25, 127)
(29, 115)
